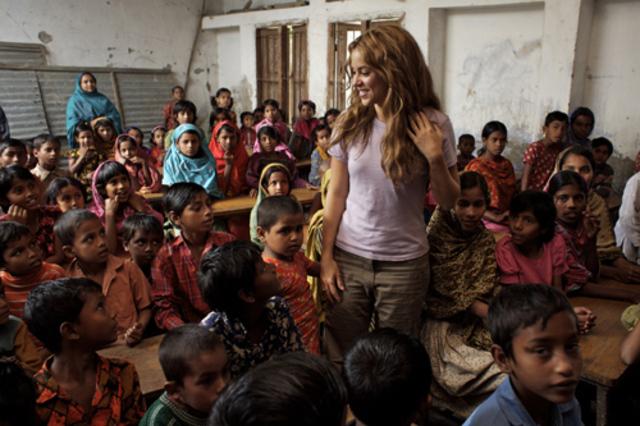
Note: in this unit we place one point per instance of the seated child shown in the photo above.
(581, 125)
(273, 119)
(67, 193)
(540, 156)
(627, 228)
(466, 146)
(21, 265)
(294, 389)
(131, 154)
(175, 290)
(222, 102)
(330, 117)
(142, 236)
(280, 224)
(137, 134)
(184, 112)
(46, 150)
(219, 115)
(320, 158)
(104, 132)
(388, 376)
(17, 395)
(241, 291)
(31, 160)
(177, 95)
(12, 151)
(300, 143)
(231, 159)
(195, 368)
(126, 290)
(535, 341)
(76, 385)
(602, 148)
(189, 160)
(258, 116)
(84, 160)
(247, 133)
(156, 154)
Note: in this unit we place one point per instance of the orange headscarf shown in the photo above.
(500, 178)
(237, 181)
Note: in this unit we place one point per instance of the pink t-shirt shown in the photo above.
(382, 221)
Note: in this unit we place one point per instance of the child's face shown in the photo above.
(284, 238)
(48, 155)
(22, 256)
(143, 246)
(247, 120)
(331, 119)
(13, 155)
(185, 116)
(466, 146)
(95, 324)
(105, 133)
(24, 193)
(278, 184)
(208, 377)
(580, 165)
(87, 83)
(127, 149)
(555, 131)
(306, 112)
(546, 362)
(178, 94)
(158, 138)
(582, 126)
(267, 284)
(258, 116)
(600, 154)
(85, 139)
(227, 140)
(223, 100)
(118, 188)
(495, 143)
(136, 135)
(525, 228)
(189, 144)
(267, 143)
(570, 203)
(197, 217)
(70, 198)
(323, 137)
(271, 113)
(469, 208)
(89, 244)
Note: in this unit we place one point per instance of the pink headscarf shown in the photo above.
(282, 131)
(135, 171)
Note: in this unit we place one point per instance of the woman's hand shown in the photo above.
(331, 279)
(426, 135)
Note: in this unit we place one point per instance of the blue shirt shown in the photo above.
(503, 408)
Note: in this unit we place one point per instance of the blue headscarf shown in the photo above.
(85, 106)
(180, 168)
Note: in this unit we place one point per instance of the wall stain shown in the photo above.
(45, 37)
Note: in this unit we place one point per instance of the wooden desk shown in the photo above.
(153, 196)
(303, 164)
(244, 204)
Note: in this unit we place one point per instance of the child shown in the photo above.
(84, 160)
(581, 125)
(293, 389)
(218, 115)
(142, 237)
(320, 158)
(114, 200)
(131, 155)
(602, 148)
(126, 290)
(498, 173)
(137, 134)
(466, 146)
(46, 150)
(224, 100)
(230, 157)
(105, 135)
(247, 133)
(17, 394)
(388, 376)
(275, 179)
(300, 143)
(67, 193)
(174, 287)
(189, 160)
(12, 151)
(280, 223)
(258, 115)
(241, 291)
(540, 156)
(76, 385)
(31, 160)
(272, 118)
(330, 117)
(156, 154)
(184, 112)
(195, 368)
(22, 268)
(177, 95)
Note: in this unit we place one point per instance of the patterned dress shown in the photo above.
(542, 159)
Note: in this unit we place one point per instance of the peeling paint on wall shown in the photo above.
(45, 37)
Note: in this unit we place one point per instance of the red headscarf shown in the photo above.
(237, 181)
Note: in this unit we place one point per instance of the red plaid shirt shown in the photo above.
(175, 288)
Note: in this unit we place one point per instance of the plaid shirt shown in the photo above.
(175, 288)
(117, 399)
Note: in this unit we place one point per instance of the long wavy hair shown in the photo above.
(393, 54)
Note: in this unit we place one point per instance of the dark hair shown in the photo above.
(564, 178)
(140, 222)
(541, 205)
(68, 223)
(185, 105)
(17, 395)
(583, 111)
(181, 345)
(271, 209)
(466, 136)
(269, 131)
(314, 133)
(331, 111)
(83, 126)
(228, 128)
(107, 171)
(308, 103)
(470, 180)
(179, 196)
(556, 116)
(105, 122)
(58, 184)
(53, 303)
(227, 270)
(125, 137)
(222, 90)
(7, 177)
(88, 73)
(174, 88)
(271, 102)
(602, 141)
(273, 168)
(137, 129)
(294, 389)
(40, 140)
(259, 109)
(9, 232)
(522, 305)
(12, 143)
(577, 150)
(493, 126)
(245, 114)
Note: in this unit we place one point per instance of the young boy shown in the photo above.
(540, 157)
(177, 94)
(602, 149)
(183, 112)
(280, 224)
(466, 145)
(175, 285)
(195, 367)
(247, 132)
(13, 151)
(330, 117)
(76, 385)
(46, 150)
(240, 289)
(126, 289)
(388, 376)
(535, 341)
(142, 237)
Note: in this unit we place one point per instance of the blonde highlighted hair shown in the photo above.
(393, 54)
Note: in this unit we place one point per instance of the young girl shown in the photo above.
(580, 126)
(136, 134)
(67, 193)
(189, 160)
(498, 174)
(272, 118)
(247, 132)
(105, 135)
(540, 156)
(156, 154)
(184, 112)
(275, 179)
(83, 161)
(320, 159)
(301, 144)
(114, 200)
(144, 178)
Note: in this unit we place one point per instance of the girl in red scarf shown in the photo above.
(144, 177)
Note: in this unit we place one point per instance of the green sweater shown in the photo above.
(166, 412)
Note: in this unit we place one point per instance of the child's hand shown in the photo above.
(586, 319)
(503, 217)
(253, 193)
(228, 158)
(111, 206)
(17, 214)
(591, 223)
(137, 202)
(134, 334)
(309, 186)
(137, 160)
(426, 135)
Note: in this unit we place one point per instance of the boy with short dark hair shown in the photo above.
(535, 341)
(602, 149)
(175, 284)
(195, 366)
(388, 376)
(142, 237)
(241, 291)
(247, 132)
(46, 150)
(76, 385)
(13, 151)
(466, 145)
